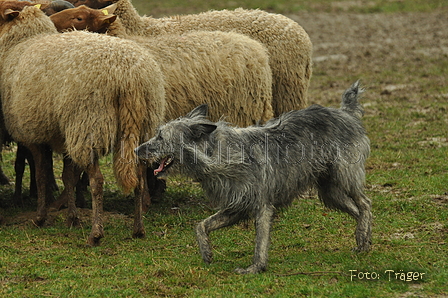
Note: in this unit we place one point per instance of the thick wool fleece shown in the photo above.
(229, 71)
(84, 94)
(288, 45)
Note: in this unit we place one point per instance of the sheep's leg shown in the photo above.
(141, 192)
(33, 182)
(19, 168)
(38, 152)
(70, 177)
(149, 182)
(51, 181)
(96, 188)
(263, 222)
(81, 188)
(3, 178)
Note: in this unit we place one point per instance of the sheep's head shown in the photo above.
(9, 10)
(83, 17)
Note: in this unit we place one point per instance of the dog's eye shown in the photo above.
(159, 137)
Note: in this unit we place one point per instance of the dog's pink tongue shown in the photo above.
(161, 166)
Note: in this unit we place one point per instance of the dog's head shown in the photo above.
(175, 137)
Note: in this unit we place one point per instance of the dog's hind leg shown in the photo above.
(221, 219)
(363, 231)
(364, 227)
(263, 223)
(353, 202)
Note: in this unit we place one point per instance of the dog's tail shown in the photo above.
(350, 103)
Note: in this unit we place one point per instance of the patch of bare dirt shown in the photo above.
(348, 45)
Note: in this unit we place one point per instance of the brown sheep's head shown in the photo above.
(9, 10)
(84, 18)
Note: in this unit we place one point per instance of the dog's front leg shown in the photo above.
(218, 220)
(263, 222)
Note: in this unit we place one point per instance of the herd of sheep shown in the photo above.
(87, 83)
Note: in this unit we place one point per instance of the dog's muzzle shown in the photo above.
(142, 152)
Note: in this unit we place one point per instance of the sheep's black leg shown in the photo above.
(70, 177)
(19, 168)
(3, 178)
(81, 188)
(38, 152)
(52, 185)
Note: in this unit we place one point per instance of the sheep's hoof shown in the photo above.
(95, 236)
(139, 234)
(39, 221)
(73, 221)
(94, 241)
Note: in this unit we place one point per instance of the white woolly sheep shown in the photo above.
(288, 44)
(85, 95)
(227, 70)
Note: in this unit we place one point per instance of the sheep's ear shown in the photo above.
(109, 19)
(200, 111)
(202, 129)
(109, 9)
(10, 14)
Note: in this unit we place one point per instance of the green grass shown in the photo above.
(310, 255)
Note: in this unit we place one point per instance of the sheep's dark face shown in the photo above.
(172, 139)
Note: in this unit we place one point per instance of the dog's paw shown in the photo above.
(252, 269)
(361, 249)
(207, 256)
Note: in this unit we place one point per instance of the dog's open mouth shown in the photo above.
(165, 163)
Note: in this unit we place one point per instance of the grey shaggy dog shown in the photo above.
(250, 172)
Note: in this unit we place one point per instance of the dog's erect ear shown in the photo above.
(199, 111)
(202, 129)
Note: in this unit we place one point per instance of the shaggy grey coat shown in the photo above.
(249, 172)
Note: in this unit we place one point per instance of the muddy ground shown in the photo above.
(388, 52)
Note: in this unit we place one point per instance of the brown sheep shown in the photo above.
(81, 93)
